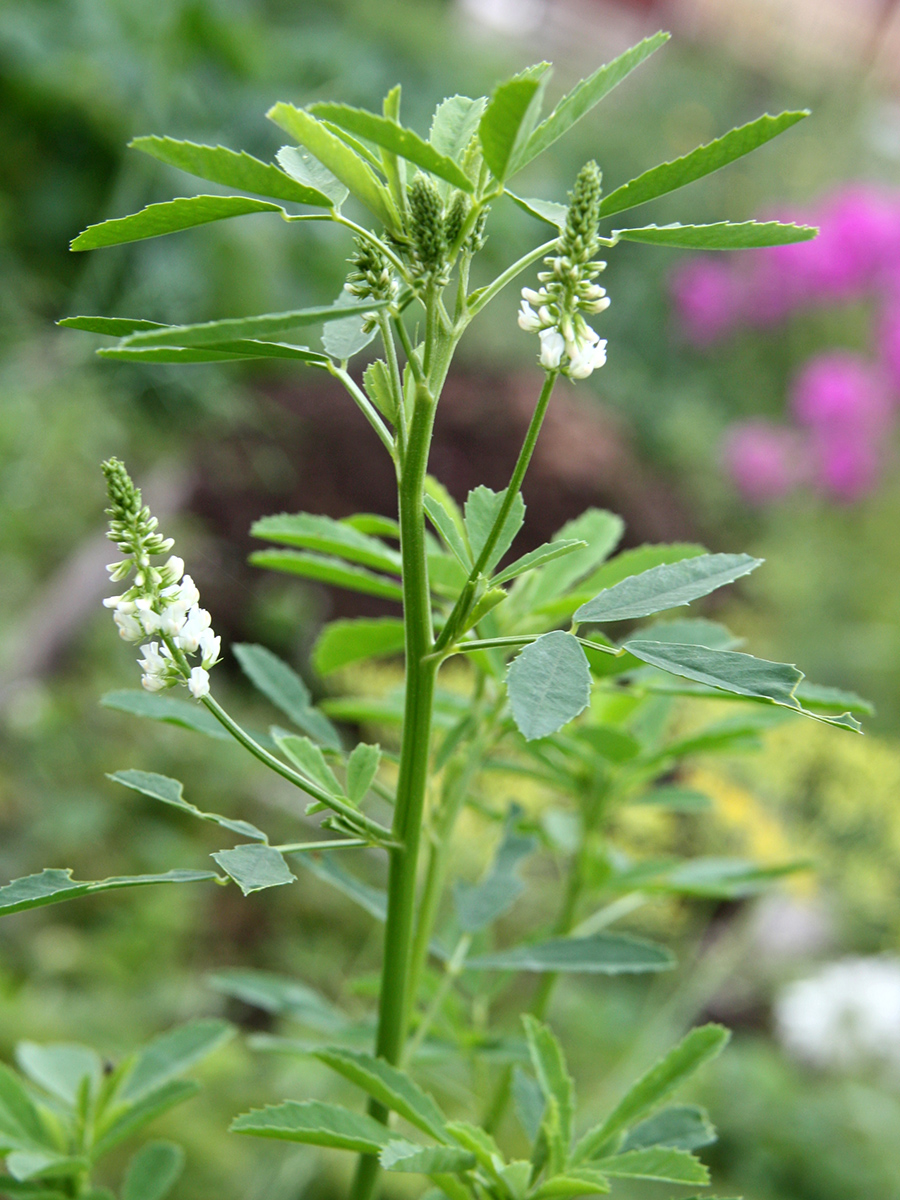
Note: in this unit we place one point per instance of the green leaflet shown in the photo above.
(590, 91)
(327, 536)
(700, 1045)
(113, 326)
(557, 1087)
(674, 799)
(123, 1122)
(343, 338)
(723, 235)
(681, 1127)
(377, 381)
(311, 1122)
(721, 878)
(237, 170)
(170, 1055)
(703, 161)
(669, 585)
(482, 507)
(170, 791)
(577, 1181)
(544, 210)
(309, 758)
(53, 884)
(477, 905)
(601, 530)
(283, 686)
(599, 954)
(215, 352)
(508, 120)
(425, 1160)
(308, 171)
(448, 531)
(549, 684)
(657, 1162)
(396, 139)
(153, 1171)
(278, 994)
(342, 161)
(21, 1125)
(537, 558)
(326, 868)
(362, 767)
(478, 1141)
(169, 217)
(387, 1084)
(60, 1069)
(345, 642)
(217, 332)
(254, 867)
(328, 570)
(729, 670)
(695, 631)
(183, 713)
(629, 562)
(453, 126)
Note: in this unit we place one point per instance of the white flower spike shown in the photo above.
(162, 600)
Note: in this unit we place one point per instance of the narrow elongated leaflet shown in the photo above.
(52, 885)
(326, 868)
(254, 867)
(588, 92)
(238, 170)
(659, 1163)
(601, 530)
(537, 558)
(21, 1124)
(575, 1181)
(552, 1073)
(216, 332)
(729, 670)
(120, 1124)
(722, 878)
(395, 138)
(669, 585)
(391, 1086)
(327, 536)
(166, 709)
(699, 162)
(283, 686)
(723, 235)
(328, 570)
(169, 217)
(450, 535)
(507, 122)
(549, 684)
(214, 352)
(309, 758)
(343, 162)
(114, 326)
(306, 169)
(362, 767)
(278, 994)
(170, 791)
(153, 1171)
(171, 1054)
(697, 1048)
(345, 642)
(478, 904)
(600, 954)
(425, 1160)
(311, 1122)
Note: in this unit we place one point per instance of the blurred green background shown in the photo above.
(216, 448)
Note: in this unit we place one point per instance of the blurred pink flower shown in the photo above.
(706, 298)
(765, 461)
(841, 395)
(889, 344)
(847, 467)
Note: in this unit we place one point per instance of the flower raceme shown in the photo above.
(161, 600)
(556, 310)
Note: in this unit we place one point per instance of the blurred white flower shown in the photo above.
(846, 1016)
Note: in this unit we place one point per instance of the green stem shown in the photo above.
(390, 353)
(465, 597)
(485, 295)
(414, 365)
(413, 773)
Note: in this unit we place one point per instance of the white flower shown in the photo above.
(586, 358)
(846, 1016)
(528, 319)
(130, 627)
(198, 620)
(172, 618)
(154, 683)
(209, 647)
(553, 346)
(198, 684)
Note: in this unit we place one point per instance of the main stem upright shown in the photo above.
(421, 671)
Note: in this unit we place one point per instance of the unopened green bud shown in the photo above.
(371, 275)
(426, 225)
(579, 240)
(455, 218)
(476, 239)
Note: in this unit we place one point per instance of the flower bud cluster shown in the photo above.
(556, 310)
(427, 231)
(371, 275)
(161, 600)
